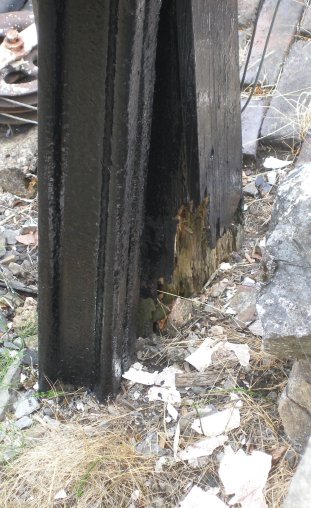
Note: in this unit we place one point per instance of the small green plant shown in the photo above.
(6, 360)
(30, 329)
(82, 483)
(50, 394)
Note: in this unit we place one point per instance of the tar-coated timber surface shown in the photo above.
(123, 158)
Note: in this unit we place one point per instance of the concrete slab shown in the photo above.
(252, 119)
(288, 17)
(247, 12)
(305, 25)
(289, 112)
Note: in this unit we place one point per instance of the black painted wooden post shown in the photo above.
(97, 73)
(95, 100)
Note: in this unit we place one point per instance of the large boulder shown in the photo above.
(295, 405)
(299, 495)
(284, 306)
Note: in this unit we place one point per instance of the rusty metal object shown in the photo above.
(19, 77)
(13, 40)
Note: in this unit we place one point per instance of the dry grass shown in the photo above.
(95, 466)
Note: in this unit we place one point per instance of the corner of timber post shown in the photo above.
(139, 169)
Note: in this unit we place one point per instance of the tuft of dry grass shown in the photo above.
(93, 465)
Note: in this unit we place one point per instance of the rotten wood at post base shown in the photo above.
(98, 190)
(193, 215)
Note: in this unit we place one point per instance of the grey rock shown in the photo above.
(16, 269)
(305, 152)
(262, 185)
(295, 404)
(2, 244)
(23, 423)
(256, 328)
(3, 323)
(10, 236)
(10, 345)
(284, 304)
(218, 289)
(19, 342)
(8, 387)
(18, 156)
(299, 494)
(180, 313)
(244, 303)
(25, 406)
(30, 357)
(251, 189)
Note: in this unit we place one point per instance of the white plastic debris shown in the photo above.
(137, 375)
(166, 378)
(248, 282)
(273, 163)
(223, 267)
(202, 448)
(135, 495)
(172, 411)
(176, 440)
(159, 464)
(241, 351)
(164, 394)
(245, 476)
(236, 399)
(217, 423)
(199, 498)
(202, 357)
(61, 494)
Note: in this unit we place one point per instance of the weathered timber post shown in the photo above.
(97, 64)
(194, 181)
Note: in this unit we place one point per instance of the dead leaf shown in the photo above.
(278, 454)
(28, 239)
(249, 259)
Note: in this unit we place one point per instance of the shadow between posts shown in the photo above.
(139, 171)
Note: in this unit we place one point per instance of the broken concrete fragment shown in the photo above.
(251, 189)
(295, 404)
(180, 313)
(199, 498)
(284, 304)
(23, 423)
(25, 406)
(244, 303)
(252, 118)
(299, 494)
(217, 423)
(245, 476)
